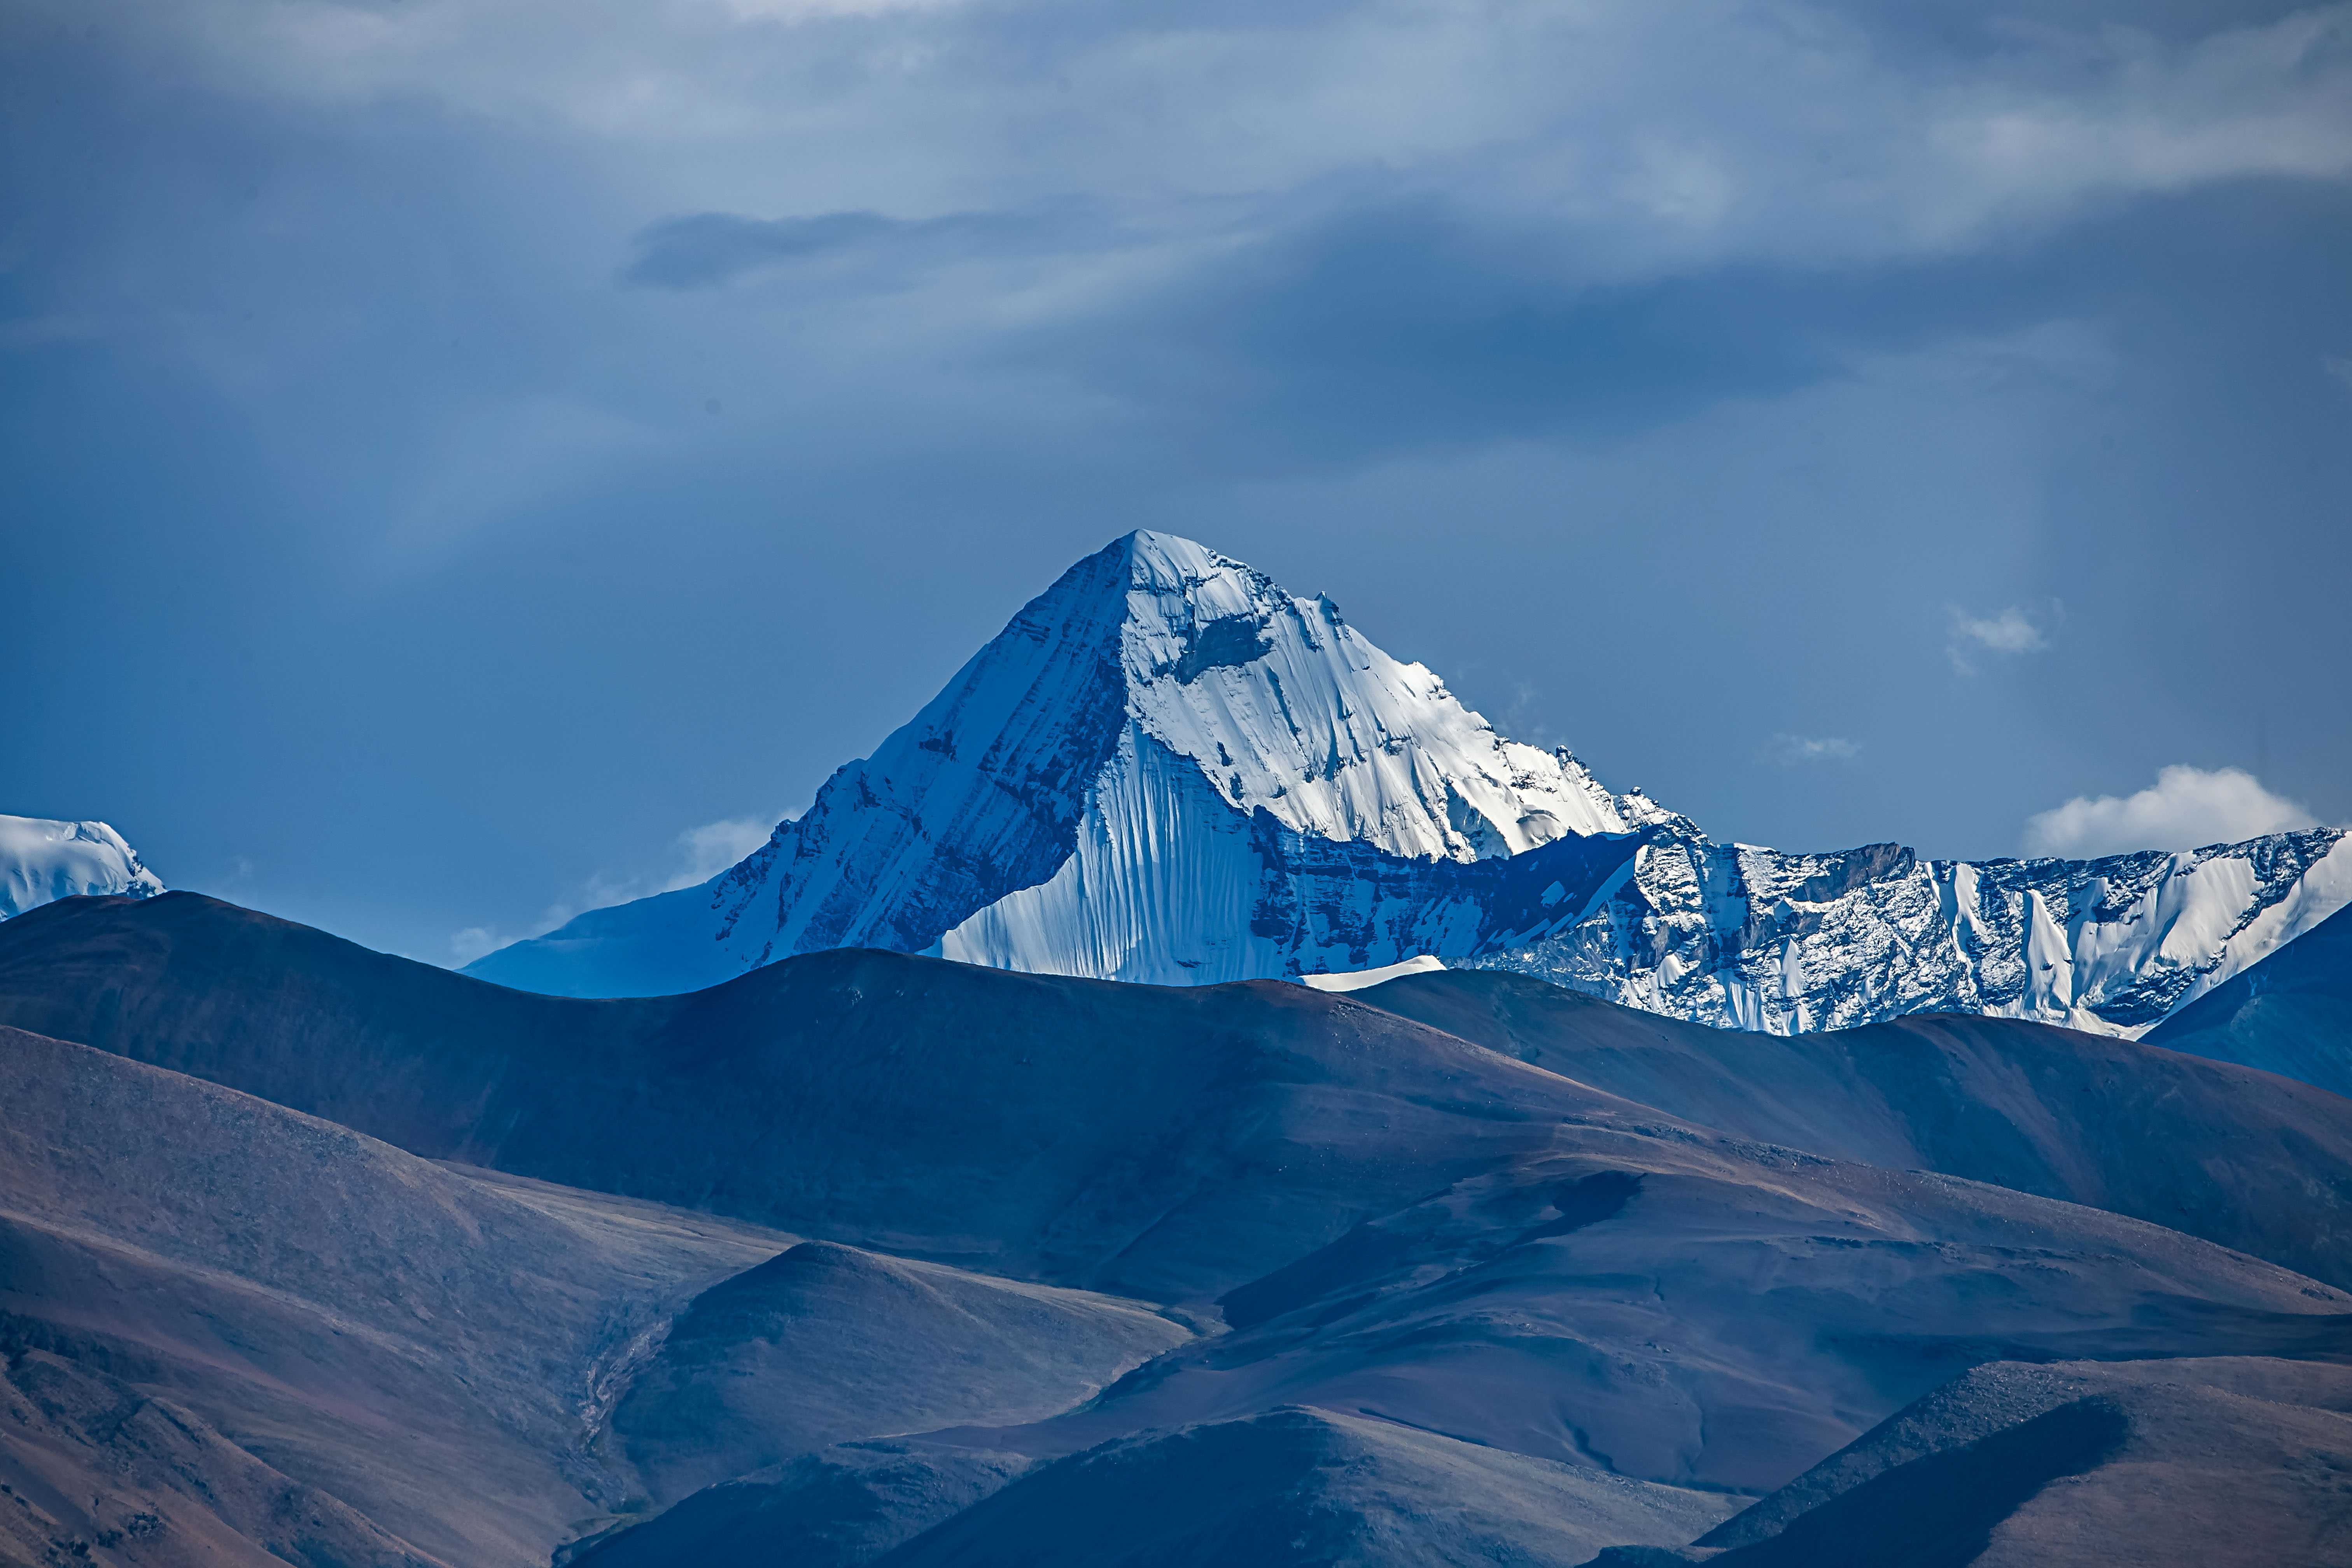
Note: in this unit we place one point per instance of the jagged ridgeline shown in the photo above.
(1168, 769)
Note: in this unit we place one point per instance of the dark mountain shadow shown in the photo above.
(2220, 1462)
(1939, 1512)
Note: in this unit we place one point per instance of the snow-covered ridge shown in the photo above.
(1755, 939)
(42, 860)
(1168, 769)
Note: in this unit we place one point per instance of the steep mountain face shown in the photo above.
(41, 860)
(1167, 769)
(1098, 764)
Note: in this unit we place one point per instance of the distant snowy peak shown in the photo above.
(42, 860)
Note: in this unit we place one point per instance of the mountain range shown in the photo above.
(962, 1180)
(1167, 769)
(312, 1253)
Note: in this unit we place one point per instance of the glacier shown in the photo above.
(1167, 769)
(42, 860)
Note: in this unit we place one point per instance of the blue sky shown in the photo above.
(456, 459)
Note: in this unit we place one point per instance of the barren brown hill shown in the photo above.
(1120, 1136)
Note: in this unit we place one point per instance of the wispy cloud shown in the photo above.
(703, 852)
(708, 248)
(1792, 750)
(2186, 809)
(2011, 633)
(790, 11)
(696, 856)
(473, 943)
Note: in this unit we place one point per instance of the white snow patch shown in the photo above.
(1419, 963)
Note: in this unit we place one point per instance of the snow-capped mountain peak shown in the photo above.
(41, 860)
(1154, 663)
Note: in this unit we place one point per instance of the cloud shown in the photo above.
(2008, 632)
(711, 247)
(473, 943)
(1790, 750)
(2012, 633)
(703, 852)
(1310, 233)
(1660, 137)
(695, 857)
(2187, 808)
(707, 249)
(811, 10)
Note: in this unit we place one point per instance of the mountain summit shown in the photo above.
(1072, 782)
(1168, 769)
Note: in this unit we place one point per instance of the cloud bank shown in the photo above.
(2186, 809)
